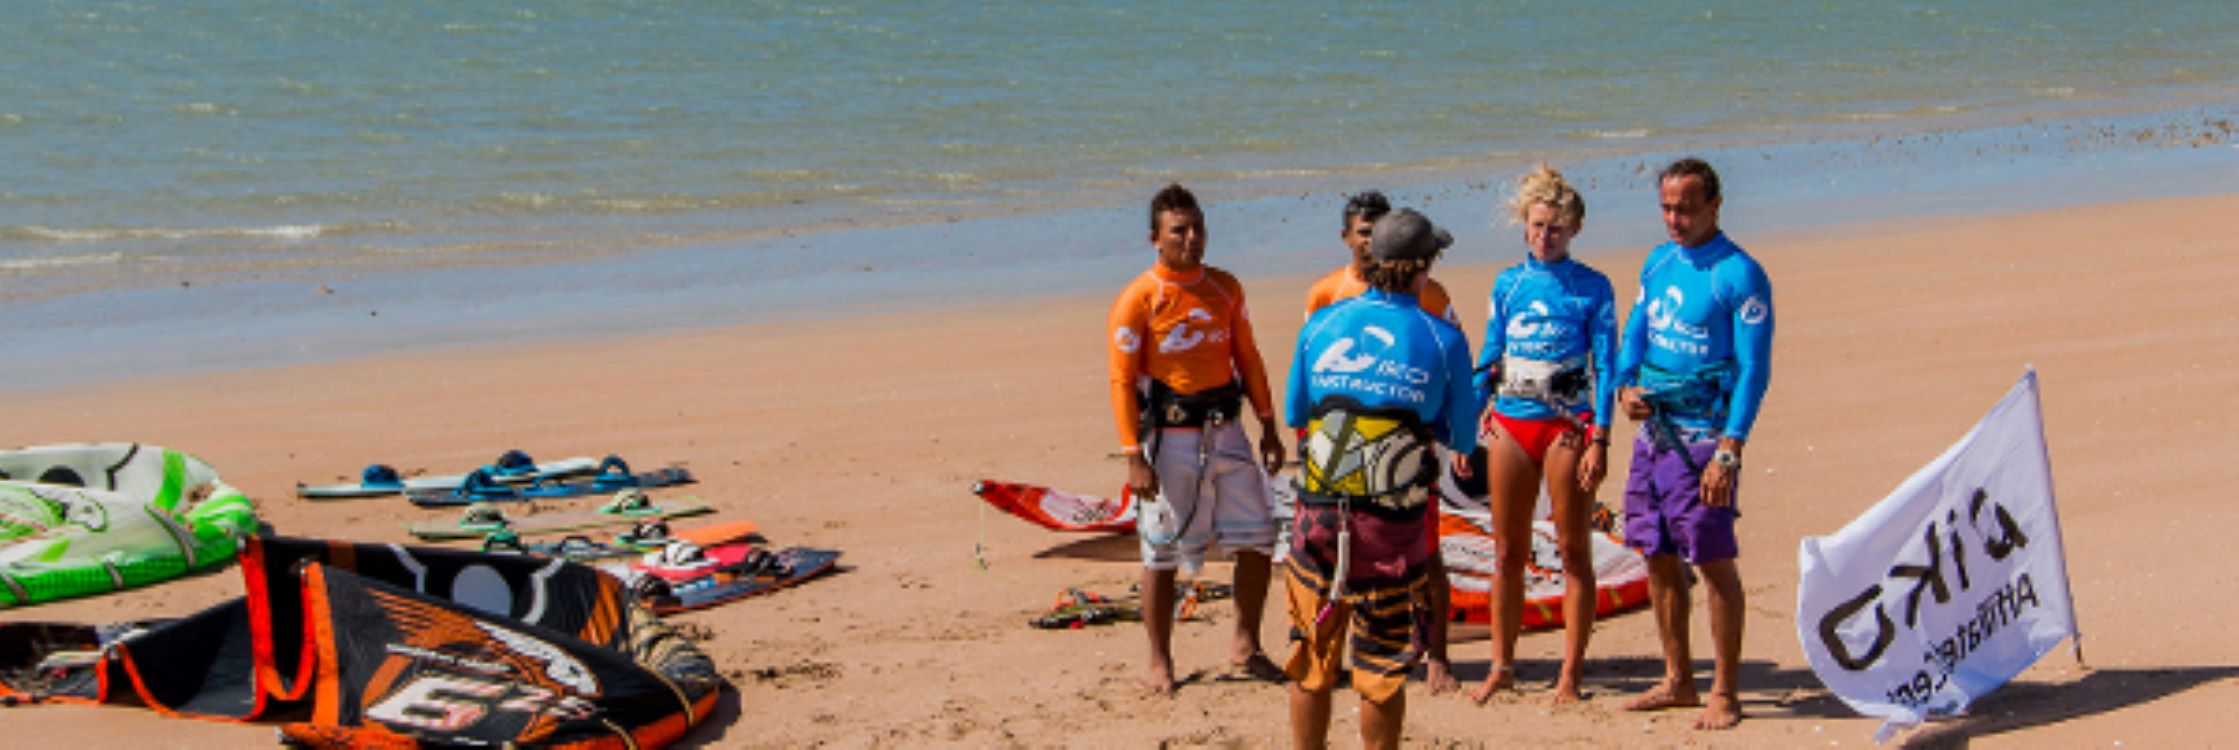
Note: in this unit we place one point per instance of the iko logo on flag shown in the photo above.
(1950, 586)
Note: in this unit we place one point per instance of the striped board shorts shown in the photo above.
(1385, 625)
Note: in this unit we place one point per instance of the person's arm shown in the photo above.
(1296, 403)
(1487, 374)
(1753, 347)
(1632, 349)
(1317, 297)
(1601, 326)
(1128, 330)
(1459, 414)
(1601, 338)
(1753, 344)
(1436, 301)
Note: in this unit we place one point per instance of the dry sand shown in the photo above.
(864, 434)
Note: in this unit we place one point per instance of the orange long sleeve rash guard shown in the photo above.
(1187, 329)
(1343, 284)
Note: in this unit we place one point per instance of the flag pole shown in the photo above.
(2075, 634)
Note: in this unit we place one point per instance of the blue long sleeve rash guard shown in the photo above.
(1701, 308)
(1550, 312)
(1381, 349)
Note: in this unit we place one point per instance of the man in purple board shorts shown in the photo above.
(1692, 369)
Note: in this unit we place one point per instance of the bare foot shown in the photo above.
(1500, 679)
(1566, 694)
(1259, 667)
(1159, 680)
(1723, 712)
(1440, 675)
(1661, 697)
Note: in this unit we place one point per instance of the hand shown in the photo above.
(1636, 409)
(1718, 482)
(1460, 462)
(1270, 447)
(1141, 479)
(1592, 466)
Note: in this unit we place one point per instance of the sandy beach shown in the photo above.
(865, 434)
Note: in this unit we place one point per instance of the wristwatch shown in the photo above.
(1728, 459)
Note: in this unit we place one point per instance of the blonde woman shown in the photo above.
(1549, 347)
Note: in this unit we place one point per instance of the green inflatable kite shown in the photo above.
(90, 519)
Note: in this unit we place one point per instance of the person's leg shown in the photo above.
(1252, 573)
(1384, 652)
(1723, 709)
(1572, 506)
(1309, 717)
(1243, 523)
(1438, 672)
(1513, 480)
(1317, 643)
(1179, 471)
(1157, 589)
(1381, 720)
(1668, 597)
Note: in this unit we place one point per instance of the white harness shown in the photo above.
(1534, 379)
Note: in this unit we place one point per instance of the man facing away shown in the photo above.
(1182, 362)
(1361, 212)
(1695, 359)
(1378, 385)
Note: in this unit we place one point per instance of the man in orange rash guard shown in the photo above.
(1361, 213)
(1182, 361)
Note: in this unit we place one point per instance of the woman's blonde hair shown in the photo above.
(1545, 185)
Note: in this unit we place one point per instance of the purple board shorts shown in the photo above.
(1664, 514)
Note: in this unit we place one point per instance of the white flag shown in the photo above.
(1950, 586)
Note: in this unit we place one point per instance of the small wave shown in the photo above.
(1632, 134)
(23, 265)
(2052, 92)
(35, 233)
(1280, 173)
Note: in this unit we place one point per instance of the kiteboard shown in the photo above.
(1059, 511)
(749, 577)
(95, 518)
(481, 520)
(573, 547)
(642, 538)
(648, 534)
(513, 467)
(613, 475)
(1470, 549)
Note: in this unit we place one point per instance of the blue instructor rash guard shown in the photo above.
(1704, 313)
(1550, 312)
(1381, 349)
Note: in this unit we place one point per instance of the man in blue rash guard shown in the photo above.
(1692, 368)
(1377, 384)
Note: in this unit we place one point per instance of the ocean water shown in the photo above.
(252, 180)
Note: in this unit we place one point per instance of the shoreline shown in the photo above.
(196, 323)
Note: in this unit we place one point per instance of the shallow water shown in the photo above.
(253, 182)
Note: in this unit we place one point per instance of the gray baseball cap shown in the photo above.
(1406, 235)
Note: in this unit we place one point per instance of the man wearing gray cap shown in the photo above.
(1377, 385)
